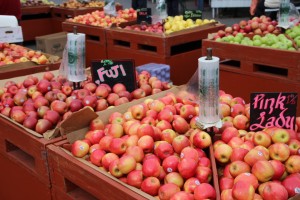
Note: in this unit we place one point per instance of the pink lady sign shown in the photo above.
(273, 109)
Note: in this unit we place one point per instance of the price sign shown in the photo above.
(192, 14)
(273, 109)
(144, 15)
(114, 71)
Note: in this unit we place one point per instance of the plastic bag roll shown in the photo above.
(208, 74)
(76, 57)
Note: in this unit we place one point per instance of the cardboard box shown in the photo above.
(53, 44)
(161, 71)
(11, 34)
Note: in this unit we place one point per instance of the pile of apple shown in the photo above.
(294, 33)
(12, 53)
(36, 3)
(152, 28)
(269, 40)
(77, 4)
(255, 165)
(155, 146)
(98, 18)
(41, 104)
(177, 23)
(257, 25)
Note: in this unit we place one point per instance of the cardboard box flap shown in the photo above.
(138, 191)
(78, 120)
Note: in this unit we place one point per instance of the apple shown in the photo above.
(117, 146)
(238, 167)
(223, 153)
(253, 156)
(237, 109)
(94, 136)
(101, 92)
(279, 169)
(226, 183)
(170, 164)
(151, 185)
(235, 142)
(241, 122)
(280, 135)
(279, 151)
(138, 111)
(146, 143)
(180, 142)
(114, 169)
(107, 159)
(263, 170)
(294, 146)
(203, 174)
(80, 148)
(168, 135)
(180, 125)
(151, 167)
(204, 162)
(136, 152)
(96, 157)
(182, 195)
(126, 164)
(174, 177)
(189, 152)
(204, 191)
(165, 114)
(226, 194)
(30, 122)
(145, 129)
(292, 184)
(163, 150)
(262, 138)
(187, 167)
(292, 164)
(43, 125)
(190, 184)
(52, 116)
(96, 124)
(243, 190)
(135, 178)
(249, 178)
(202, 140)
(115, 130)
(229, 133)
(225, 110)
(274, 189)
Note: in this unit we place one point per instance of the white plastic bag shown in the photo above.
(110, 7)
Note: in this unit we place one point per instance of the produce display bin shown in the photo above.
(23, 159)
(247, 69)
(180, 50)
(95, 40)
(19, 183)
(75, 177)
(60, 14)
(33, 17)
(26, 68)
(72, 178)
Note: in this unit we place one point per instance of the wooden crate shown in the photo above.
(60, 14)
(27, 150)
(37, 18)
(71, 178)
(18, 183)
(26, 68)
(95, 40)
(246, 69)
(180, 50)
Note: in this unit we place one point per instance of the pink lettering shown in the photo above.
(259, 125)
(113, 72)
(280, 102)
(259, 99)
(271, 105)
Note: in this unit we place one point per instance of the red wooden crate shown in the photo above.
(60, 14)
(26, 68)
(29, 151)
(95, 40)
(18, 183)
(178, 49)
(32, 10)
(71, 178)
(246, 69)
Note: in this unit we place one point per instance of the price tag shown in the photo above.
(192, 14)
(144, 15)
(273, 109)
(114, 71)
